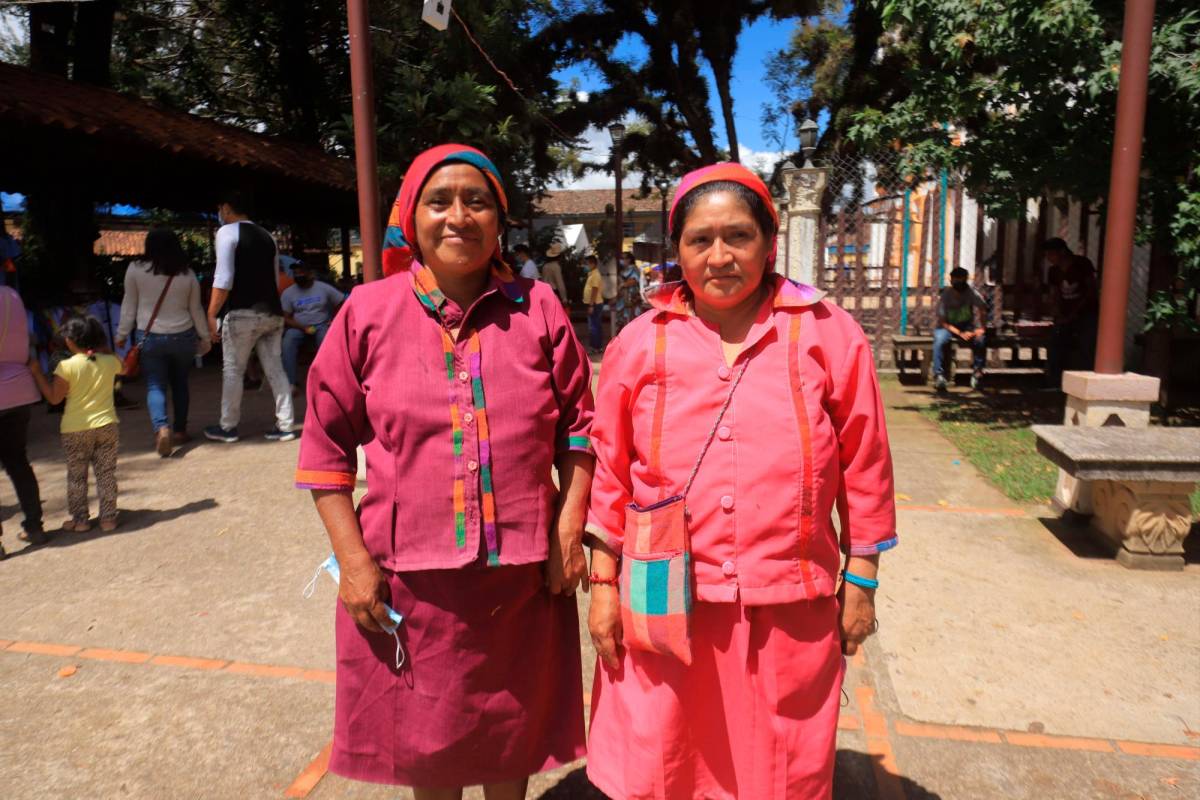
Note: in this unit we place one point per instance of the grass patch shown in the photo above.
(1007, 456)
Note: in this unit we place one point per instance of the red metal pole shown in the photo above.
(362, 86)
(1123, 185)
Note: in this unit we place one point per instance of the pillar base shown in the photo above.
(1146, 521)
(1096, 401)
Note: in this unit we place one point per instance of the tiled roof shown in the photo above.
(120, 243)
(589, 202)
(45, 111)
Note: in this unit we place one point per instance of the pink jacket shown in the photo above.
(805, 432)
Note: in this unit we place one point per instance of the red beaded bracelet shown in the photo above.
(594, 578)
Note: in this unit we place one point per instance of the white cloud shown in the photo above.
(761, 161)
(595, 148)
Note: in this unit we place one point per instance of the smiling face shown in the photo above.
(723, 252)
(457, 221)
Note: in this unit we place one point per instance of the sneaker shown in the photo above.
(939, 384)
(219, 434)
(276, 435)
(976, 379)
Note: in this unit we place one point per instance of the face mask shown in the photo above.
(962, 287)
(304, 283)
(330, 565)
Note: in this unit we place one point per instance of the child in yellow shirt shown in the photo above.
(89, 422)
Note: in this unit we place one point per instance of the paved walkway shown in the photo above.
(176, 657)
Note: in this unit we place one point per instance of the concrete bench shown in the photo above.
(916, 353)
(913, 352)
(1141, 479)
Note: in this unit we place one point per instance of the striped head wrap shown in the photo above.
(399, 243)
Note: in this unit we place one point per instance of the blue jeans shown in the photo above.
(293, 338)
(941, 344)
(166, 361)
(596, 326)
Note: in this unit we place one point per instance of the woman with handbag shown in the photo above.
(162, 298)
(730, 421)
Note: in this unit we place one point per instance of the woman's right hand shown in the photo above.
(604, 623)
(364, 591)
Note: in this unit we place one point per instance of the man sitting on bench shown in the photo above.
(960, 315)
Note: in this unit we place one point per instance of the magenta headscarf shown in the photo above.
(727, 171)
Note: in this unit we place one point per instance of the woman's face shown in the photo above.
(722, 252)
(457, 220)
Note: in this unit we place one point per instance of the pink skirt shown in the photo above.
(754, 716)
(491, 690)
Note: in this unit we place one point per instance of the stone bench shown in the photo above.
(916, 353)
(1141, 479)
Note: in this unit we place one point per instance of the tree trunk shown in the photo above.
(721, 72)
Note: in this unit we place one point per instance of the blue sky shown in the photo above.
(749, 90)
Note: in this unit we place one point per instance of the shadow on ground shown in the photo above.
(131, 521)
(1073, 534)
(853, 779)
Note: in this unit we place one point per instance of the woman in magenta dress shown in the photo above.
(772, 392)
(466, 387)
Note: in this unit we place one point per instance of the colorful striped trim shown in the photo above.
(318, 479)
(432, 298)
(579, 444)
(796, 384)
(660, 403)
(872, 549)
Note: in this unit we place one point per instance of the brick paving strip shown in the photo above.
(870, 720)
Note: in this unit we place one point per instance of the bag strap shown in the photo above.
(7, 314)
(712, 433)
(158, 305)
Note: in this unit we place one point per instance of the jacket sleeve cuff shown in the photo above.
(331, 481)
(574, 444)
(874, 547)
(594, 534)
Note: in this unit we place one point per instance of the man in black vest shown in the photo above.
(247, 278)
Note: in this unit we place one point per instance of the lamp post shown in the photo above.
(808, 141)
(617, 132)
(662, 193)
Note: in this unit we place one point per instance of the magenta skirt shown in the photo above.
(491, 690)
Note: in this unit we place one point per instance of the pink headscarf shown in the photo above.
(727, 171)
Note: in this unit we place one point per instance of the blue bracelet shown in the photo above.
(858, 580)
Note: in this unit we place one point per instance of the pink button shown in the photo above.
(724, 433)
(471, 465)
(728, 568)
(727, 502)
(723, 373)
(468, 417)
(463, 376)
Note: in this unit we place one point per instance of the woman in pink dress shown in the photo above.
(465, 387)
(772, 393)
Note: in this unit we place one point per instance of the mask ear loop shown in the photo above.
(401, 656)
(311, 586)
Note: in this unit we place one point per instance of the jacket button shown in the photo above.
(468, 417)
(472, 466)
(724, 434)
(464, 376)
(723, 373)
(727, 503)
(729, 569)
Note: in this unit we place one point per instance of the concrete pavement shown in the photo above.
(176, 657)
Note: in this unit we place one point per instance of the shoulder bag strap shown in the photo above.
(158, 305)
(708, 442)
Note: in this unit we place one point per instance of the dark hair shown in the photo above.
(86, 332)
(521, 248)
(758, 209)
(236, 199)
(164, 252)
(1055, 244)
(591, 259)
(959, 272)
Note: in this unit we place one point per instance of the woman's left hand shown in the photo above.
(119, 343)
(857, 618)
(567, 565)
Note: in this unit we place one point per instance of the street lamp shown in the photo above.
(617, 132)
(663, 185)
(808, 141)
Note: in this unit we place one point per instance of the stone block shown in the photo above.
(1126, 387)
(1146, 520)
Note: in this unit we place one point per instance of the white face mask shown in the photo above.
(331, 566)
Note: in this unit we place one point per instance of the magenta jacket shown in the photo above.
(460, 438)
(805, 432)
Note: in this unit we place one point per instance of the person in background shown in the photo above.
(527, 266)
(593, 298)
(89, 422)
(308, 308)
(247, 278)
(961, 312)
(18, 393)
(629, 291)
(162, 286)
(1075, 301)
(552, 272)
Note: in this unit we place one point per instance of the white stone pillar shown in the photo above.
(805, 186)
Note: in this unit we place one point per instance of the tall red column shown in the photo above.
(1123, 185)
(365, 162)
